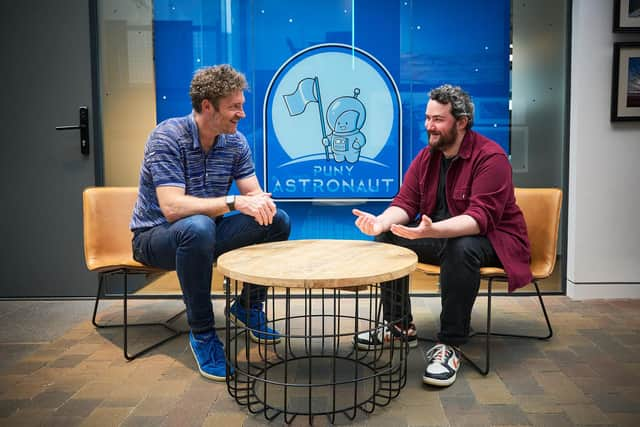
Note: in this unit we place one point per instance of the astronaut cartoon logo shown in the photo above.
(345, 117)
(332, 127)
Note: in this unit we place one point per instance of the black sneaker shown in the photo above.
(383, 337)
(442, 366)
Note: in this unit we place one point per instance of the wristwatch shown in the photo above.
(230, 200)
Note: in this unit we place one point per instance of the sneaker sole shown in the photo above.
(203, 373)
(370, 347)
(251, 335)
(439, 383)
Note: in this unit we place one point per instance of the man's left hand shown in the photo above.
(257, 204)
(424, 229)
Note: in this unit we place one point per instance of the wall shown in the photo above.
(127, 89)
(603, 230)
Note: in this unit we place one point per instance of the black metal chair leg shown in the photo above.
(488, 333)
(487, 357)
(546, 318)
(125, 324)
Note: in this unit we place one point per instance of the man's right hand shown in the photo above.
(259, 205)
(368, 223)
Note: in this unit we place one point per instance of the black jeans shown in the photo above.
(460, 260)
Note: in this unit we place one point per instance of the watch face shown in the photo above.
(230, 201)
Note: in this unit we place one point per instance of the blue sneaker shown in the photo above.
(209, 353)
(255, 321)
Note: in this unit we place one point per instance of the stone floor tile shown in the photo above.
(431, 413)
(586, 414)
(561, 387)
(191, 409)
(615, 402)
(225, 419)
(135, 421)
(490, 390)
(624, 420)
(77, 407)
(106, 417)
(96, 389)
(581, 370)
(67, 361)
(126, 395)
(29, 417)
(26, 388)
(154, 407)
(9, 407)
(52, 399)
(507, 415)
(538, 404)
(62, 420)
(522, 384)
(173, 388)
(550, 420)
(25, 367)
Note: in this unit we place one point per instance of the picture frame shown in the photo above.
(625, 88)
(626, 16)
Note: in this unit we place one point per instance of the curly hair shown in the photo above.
(461, 104)
(213, 83)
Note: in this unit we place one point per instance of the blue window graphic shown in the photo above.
(332, 127)
(420, 43)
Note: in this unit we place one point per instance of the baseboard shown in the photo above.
(582, 291)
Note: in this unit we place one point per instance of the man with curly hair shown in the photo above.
(179, 221)
(456, 208)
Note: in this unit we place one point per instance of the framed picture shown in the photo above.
(626, 16)
(625, 96)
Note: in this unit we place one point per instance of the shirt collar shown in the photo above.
(193, 128)
(466, 145)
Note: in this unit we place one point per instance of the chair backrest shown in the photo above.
(106, 216)
(541, 209)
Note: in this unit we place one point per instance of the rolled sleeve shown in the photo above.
(410, 194)
(491, 189)
(244, 167)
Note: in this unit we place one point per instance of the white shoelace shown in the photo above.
(439, 353)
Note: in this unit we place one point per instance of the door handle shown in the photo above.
(84, 130)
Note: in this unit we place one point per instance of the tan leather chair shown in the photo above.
(541, 209)
(107, 250)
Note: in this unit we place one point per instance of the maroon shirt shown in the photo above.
(479, 184)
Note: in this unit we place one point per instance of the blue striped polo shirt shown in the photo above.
(173, 157)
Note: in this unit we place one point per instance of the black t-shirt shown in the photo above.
(442, 209)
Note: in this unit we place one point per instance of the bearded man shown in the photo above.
(456, 208)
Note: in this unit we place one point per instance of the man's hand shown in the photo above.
(369, 224)
(424, 229)
(257, 204)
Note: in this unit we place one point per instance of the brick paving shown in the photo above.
(587, 374)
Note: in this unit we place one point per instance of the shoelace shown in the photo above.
(439, 354)
(257, 317)
(400, 332)
(218, 351)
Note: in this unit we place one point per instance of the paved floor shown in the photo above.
(56, 369)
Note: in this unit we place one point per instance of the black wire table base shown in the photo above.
(315, 369)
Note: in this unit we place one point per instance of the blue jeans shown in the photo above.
(192, 244)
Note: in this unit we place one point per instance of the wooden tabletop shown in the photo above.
(318, 263)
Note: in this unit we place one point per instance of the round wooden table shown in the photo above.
(315, 368)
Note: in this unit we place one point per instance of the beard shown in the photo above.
(443, 140)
